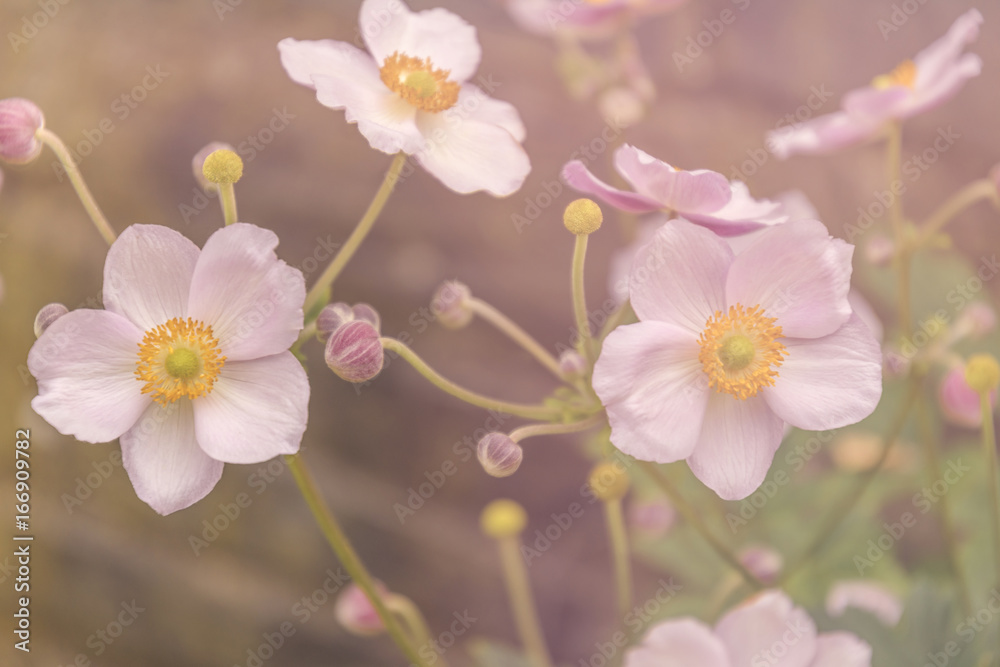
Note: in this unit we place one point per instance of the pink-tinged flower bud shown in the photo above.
(355, 612)
(572, 365)
(499, 455)
(868, 596)
(960, 402)
(198, 164)
(336, 315)
(621, 106)
(47, 315)
(652, 518)
(354, 351)
(762, 562)
(976, 320)
(451, 304)
(879, 250)
(19, 120)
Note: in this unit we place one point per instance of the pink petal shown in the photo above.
(935, 60)
(683, 642)
(163, 460)
(389, 26)
(868, 596)
(699, 191)
(768, 630)
(829, 382)
(578, 177)
(257, 410)
(471, 155)
(473, 102)
(875, 103)
(147, 275)
(250, 298)
(680, 276)
(946, 86)
(863, 309)
(303, 59)
(841, 649)
(823, 134)
(741, 215)
(85, 366)
(960, 403)
(621, 260)
(651, 383)
(736, 445)
(797, 273)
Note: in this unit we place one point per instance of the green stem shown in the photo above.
(990, 450)
(519, 434)
(894, 153)
(616, 318)
(661, 480)
(537, 412)
(516, 334)
(348, 557)
(227, 197)
(618, 538)
(586, 346)
(404, 608)
(961, 200)
(76, 179)
(358, 235)
(521, 601)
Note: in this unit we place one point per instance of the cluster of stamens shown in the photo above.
(179, 358)
(740, 351)
(417, 82)
(905, 74)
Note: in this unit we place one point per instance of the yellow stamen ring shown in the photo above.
(417, 82)
(178, 358)
(740, 351)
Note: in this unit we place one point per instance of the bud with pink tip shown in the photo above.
(198, 164)
(354, 351)
(451, 304)
(959, 402)
(355, 612)
(976, 320)
(762, 562)
(19, 120)
(572, 365)
(47, 315)
(652, 518)
(879, 250)
(335, 315)
(499, 455)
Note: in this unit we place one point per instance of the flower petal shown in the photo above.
(829, 382)
(651, 383)
(823, 134)
(742, 214)
(473, 102)
(162, 458)
(946, 86)
(797, 273)
(736, 445)
(302, 59)
(934, 61)
(877, 103)
(448, 40)
(767, 628)
(147, 275)
(472, 155)
(85, 366)
(699, 191)
(680, 276)
(841, 649)
(681, 643)
(250, 298)
(257, 410)
(578, 177)
(868, 596)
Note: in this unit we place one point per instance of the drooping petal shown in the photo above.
(168, 469)
(736, 445)
(841, 649)
(680, 276)
(448, 40)
(147, 274)
(699, 191)
(768, 629)
(250, 298)
(934, 61)
(651, 383)
(256, 410)
(742, 214)
(85, 367)
(823, 134)
(578, 177)
(683, 642)
(829, 382)
(473, 102)
(471, 155)
(868, 596)
(797, 273)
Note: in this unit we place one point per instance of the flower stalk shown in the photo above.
(516, 334)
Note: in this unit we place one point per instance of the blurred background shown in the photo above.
(98, 547)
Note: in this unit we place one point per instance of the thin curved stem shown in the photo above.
(517, 334)
(894, 153)
(537, 412)
(618, 538)
(51, 140)
(522, 603)
(532, 430)
(410, 614)
(961, 200)
(353, 241)
(586, 345)
(993, 470)
(334, 534)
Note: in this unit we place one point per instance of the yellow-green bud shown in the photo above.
(503, 518)
(609, 481)
(982, 373)
(223, 167)
(583, 216)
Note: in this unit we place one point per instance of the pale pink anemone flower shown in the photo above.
(188, 364)
(933, 77)
(728, 348)
(412, 95)
(701, 196)
(588, 18)
(767, 630)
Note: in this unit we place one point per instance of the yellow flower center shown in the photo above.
(178, 358)
(740, 351)
(417, 82)
(905, 74)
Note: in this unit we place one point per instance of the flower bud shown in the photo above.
(367, 313)
(47, 315)
(960, 403)
(762, 562)
(583, 216)
(354, 611)
(608, 481)
(868, 596)
(354, 351)
(572, 365)
(976, 320)
(336, 315)
(198, 163)
(503, 518)
(622, 106)
(451, 304)
(652, 518)
(499, 455)
(19, 120)
(879, 250)
(222, 166)
(982, 372)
